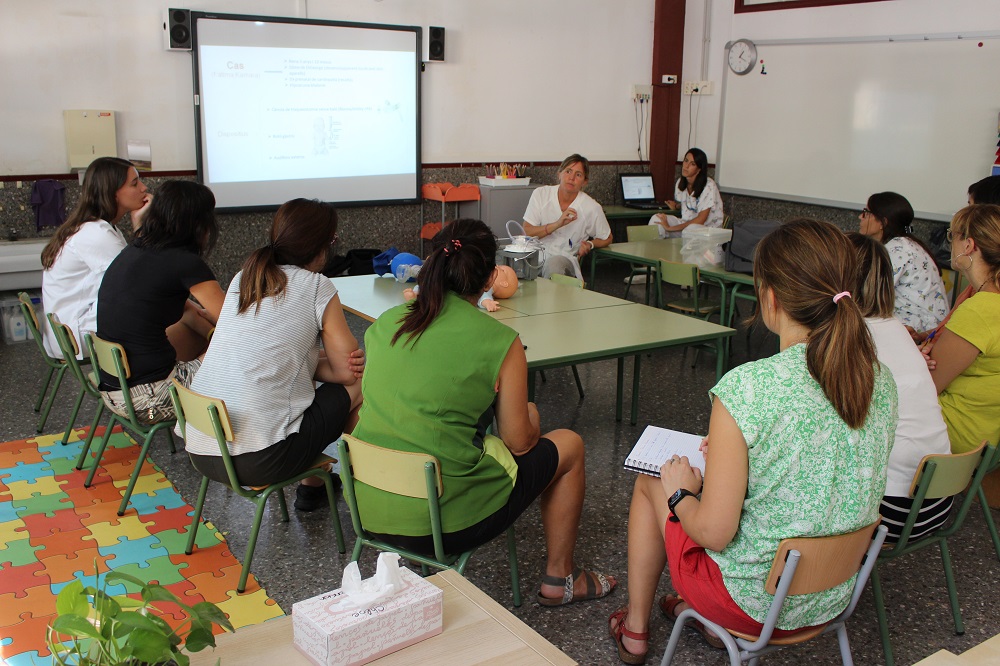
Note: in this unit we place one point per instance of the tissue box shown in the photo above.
(330, 636)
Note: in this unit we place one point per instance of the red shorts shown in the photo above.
(698, 580)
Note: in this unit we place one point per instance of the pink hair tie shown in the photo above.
(841, 295)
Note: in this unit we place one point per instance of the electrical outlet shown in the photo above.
(642, 92)
(697, 88)
(669, 79)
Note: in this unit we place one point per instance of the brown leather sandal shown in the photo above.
(668, 605)
(592, 578)
(619, 630)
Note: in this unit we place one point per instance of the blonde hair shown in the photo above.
(805, 263)
(981, 223)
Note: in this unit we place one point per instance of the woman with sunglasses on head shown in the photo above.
(75, 258)
(965, 359)
(695, 194)
(282, 327)
(921, 302)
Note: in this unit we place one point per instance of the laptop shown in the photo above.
(637, 191)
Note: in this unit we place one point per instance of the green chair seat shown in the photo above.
(110, 357)
(209, 415)
(87, 380)
(410, 475)
(56, 366)
(938, 476)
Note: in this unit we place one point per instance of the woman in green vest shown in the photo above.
(439, 370)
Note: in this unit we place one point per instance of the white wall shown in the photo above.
(523, 79)
(893, 17)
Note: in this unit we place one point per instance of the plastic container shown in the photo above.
(15, 328)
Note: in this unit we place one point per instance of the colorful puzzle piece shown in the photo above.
(54, 531)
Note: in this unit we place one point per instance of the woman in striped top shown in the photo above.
(281, 329)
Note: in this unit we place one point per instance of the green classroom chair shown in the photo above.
(209, 415)
(56, 366)
(576, 283)
(88, 381)
(635, 233)
(687, 276)
(937, 476)
(110, 357)
(408, 474)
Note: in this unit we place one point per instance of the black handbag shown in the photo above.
(746, 234)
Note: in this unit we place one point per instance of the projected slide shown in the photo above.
(278, 113)
(293, 108)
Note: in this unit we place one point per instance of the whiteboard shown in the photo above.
(832, 123)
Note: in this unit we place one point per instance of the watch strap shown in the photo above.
(675, 499)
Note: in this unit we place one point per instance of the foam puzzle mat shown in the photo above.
(53, 530)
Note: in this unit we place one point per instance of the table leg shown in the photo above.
(531, 385)
(619, 396)
(593, 268)
(659, 286)
(720, 359)
(635, 389)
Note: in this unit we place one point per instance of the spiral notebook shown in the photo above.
(656, 445)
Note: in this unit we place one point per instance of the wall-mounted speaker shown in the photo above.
(177, 29)
(435, 44)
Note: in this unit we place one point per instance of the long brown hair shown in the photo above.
(806, 263)
(302, 229)
(462, 261)
(874, 291)
(981, 223)
(104, 177)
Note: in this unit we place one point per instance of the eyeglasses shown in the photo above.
(333, 241)
(865, 211)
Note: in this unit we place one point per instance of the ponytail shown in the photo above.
(261, 277)
(462, 262)
(809, 265)
(302, 230)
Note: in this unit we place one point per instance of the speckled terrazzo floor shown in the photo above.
(298, 559)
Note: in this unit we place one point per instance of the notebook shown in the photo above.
(656, 445)
(637, 191)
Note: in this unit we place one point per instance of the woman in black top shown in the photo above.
(144, 300)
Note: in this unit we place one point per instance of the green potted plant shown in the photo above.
(94, 628)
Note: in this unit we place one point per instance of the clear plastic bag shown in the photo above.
(705, 252)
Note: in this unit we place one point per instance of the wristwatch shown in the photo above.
(675, 499)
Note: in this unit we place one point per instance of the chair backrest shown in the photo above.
(398, 472)
(682, 275)
(946, 474)
(109, 357)
(642, 232)
(825, 561)
(207, 414)
(31, 321)
(69, 348)
(567, 280)
(806, 565)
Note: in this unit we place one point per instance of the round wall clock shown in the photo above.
(742, 56)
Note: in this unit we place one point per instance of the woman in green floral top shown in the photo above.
(798, 442)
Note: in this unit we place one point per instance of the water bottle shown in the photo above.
(407, 272)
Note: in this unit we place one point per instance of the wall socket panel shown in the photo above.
(697, 88)
(642, 92)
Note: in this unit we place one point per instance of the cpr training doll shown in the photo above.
(504, 285)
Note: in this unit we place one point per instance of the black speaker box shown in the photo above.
(435, 44)
(177, 29)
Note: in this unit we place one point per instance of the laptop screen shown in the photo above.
(637, 187)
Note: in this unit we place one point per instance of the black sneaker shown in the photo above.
(310, 498)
